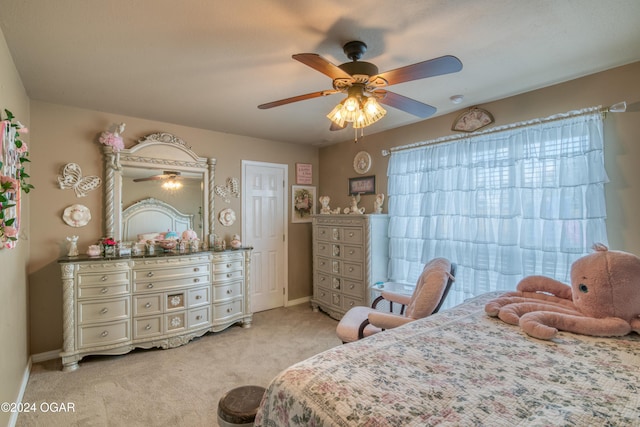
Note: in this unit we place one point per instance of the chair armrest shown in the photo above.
(396, 297)
(387, 320)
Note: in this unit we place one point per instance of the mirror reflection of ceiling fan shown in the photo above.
(166, 175)
(363, 85)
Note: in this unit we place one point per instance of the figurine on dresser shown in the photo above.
(354, 209)
(377, 204)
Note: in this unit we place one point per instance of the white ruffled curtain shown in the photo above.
(502, 206)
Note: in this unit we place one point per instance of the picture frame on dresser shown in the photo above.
(303, 203)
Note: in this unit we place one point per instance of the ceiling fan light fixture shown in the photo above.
(172, 185)
(360, 114)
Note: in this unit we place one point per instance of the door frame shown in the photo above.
(285, 217)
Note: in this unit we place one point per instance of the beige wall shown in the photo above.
(622, 144)
(14, 353)
(64, 134)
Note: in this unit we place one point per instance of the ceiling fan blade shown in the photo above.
(297, 98)
(151, 178)
(403, 103)
(335, 127)
(430, 68)
(318, 63)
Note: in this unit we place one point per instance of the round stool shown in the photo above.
(239, 406)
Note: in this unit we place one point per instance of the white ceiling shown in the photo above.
(209, 63)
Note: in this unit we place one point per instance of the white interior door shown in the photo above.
(264, 228)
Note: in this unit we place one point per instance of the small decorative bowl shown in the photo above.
(168, 244)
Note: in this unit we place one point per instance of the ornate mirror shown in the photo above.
(160, 177)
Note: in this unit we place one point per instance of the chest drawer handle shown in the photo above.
(351, 252)
(351, 304)
(196, 280)
(198, 296)
(150, 286)
(104, 290)
(351, 286)
(229, 265)
(196, 269)
(350, 269)
(229, 291)
(322, 294)
(229, 274)
(147, 305)
(198, 317)
(150, 274)
(322, 279)
(104, 310)
(321, 262)
(147, 327)
(351, 234)
(104, 334)
(229, 310)
(104, 278)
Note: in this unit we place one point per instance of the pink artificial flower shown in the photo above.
(10, 231)
(115, 141)
(15, 185)
(22, 129)
(23, 148)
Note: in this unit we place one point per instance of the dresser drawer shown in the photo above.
(226, 266)
(175, 322)
(103, 278)
(355, 289)
(104, 290)
(199, 317)
(198, 297)
(103, 310)
(323, 280)
(352, 270)
(227, 291)
(323, 264)
(353, 253)
(226, 310)
(352, 235)
(147, 327)
(221, 276)
(147, 304)
(162, 272)
(323, 295)
(349, 302)
(103, 334)
(159, 285)
(324, 249)
(325, 233)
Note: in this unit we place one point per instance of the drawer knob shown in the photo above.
(150, 285)
(104, 310)
(229, 310)
(198, 317)
(147, 327)
(196, 269)
(198, 296)
(229, 265)
(351, 304)
(147, 305)
(104, 278)
(322, 279)
(196, 280)
(352, 286)
(351, 234)
(351, 252)
(150, 274)
(228, 274)
(322, 294)
(104, 334)
(350, 269)
(229, 291)
(104, 290)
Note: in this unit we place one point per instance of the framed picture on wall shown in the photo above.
(303, 203)
(362, 185)
(304, 173)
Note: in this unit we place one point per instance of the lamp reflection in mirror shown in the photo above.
(172, 185)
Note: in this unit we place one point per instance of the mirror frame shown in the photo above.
(155, 151)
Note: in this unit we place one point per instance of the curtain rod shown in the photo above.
(618, 108)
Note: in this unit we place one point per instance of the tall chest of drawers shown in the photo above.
(111, 306)
(350, 253)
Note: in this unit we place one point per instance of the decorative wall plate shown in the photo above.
(362, 162)
(472, 120)
(227, 217)
(76, 215)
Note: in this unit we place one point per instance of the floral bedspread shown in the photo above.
(461, 367)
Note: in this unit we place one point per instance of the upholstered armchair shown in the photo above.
(431, 289)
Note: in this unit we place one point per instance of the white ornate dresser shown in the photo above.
(350, 253)
(111, 306)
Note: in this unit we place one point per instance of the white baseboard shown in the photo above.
(47, 355)
(298, 301)
(23, 386)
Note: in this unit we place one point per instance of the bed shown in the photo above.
(149, 219)
(461, 367)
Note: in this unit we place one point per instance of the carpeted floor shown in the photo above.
(180, 386)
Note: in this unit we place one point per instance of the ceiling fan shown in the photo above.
(363, 83)
(166, 175)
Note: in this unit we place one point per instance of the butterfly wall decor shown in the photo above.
(72, 178)
(232, 187)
